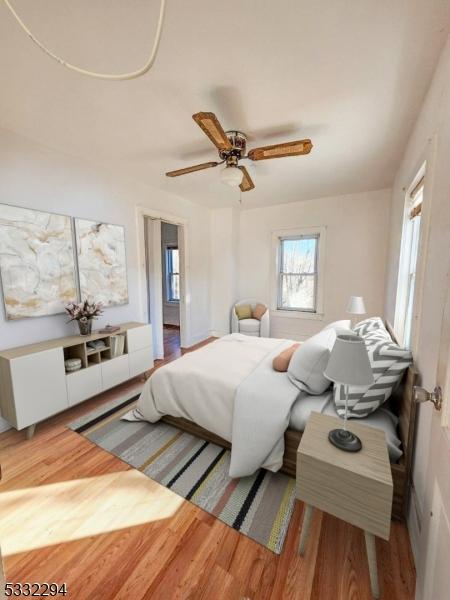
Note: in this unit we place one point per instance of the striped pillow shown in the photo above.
(370, 325)
(388, 362)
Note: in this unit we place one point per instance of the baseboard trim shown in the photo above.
(217, 334)
(4, 425)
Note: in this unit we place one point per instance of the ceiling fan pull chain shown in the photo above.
(111, 77)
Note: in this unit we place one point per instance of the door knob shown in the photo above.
(422, 395)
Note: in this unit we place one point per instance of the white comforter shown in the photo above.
(230, 388)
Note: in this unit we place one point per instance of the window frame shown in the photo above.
(284, 234)
(169, 273)
(282, 273)
(410, 244)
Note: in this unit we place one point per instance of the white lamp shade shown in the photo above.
(231, 176)
(356, 306)
(349, 362)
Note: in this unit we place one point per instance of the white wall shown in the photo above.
(35, 177)
(430, 141)
(171, 310)
(356, 239)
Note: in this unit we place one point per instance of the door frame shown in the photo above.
(153, 278)
(183, 239)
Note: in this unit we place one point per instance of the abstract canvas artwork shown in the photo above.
(37, 263)
(101, 262)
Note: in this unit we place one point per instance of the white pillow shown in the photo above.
(343, 324)
(309, 362)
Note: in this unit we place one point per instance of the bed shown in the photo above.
(234, 379)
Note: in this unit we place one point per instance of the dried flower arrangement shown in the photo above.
(84, 313)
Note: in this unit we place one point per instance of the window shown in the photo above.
(408, 263)
(172, 274)
(298, 272)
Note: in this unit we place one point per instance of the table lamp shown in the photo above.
(348, 365)
(356, 306)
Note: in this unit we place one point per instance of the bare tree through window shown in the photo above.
(297, 278)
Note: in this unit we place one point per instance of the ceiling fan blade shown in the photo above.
(247, 183)
(186, 170)
(209, 123)
(280, 150)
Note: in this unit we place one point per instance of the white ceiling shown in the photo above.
(349, 74)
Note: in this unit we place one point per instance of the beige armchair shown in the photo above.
(254, 327)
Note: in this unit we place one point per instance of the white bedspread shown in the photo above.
(262, 410)
(230, 388)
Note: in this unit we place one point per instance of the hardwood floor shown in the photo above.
(71, 512)
(171, 337)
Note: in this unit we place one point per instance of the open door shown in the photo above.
(435, 542)
(152, 231)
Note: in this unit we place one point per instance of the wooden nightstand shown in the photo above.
(356, 487)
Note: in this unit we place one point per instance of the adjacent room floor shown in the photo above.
(71, 512)
(171, 336)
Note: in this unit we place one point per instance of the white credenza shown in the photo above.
(34, 384)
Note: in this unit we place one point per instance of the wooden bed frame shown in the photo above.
(402, 403)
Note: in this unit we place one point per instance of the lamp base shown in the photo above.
(345, 440)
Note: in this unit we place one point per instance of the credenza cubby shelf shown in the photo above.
(34, 384)
(93, 356)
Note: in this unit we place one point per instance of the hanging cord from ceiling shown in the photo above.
(110, 76)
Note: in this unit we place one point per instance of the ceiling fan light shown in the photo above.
(232, 176)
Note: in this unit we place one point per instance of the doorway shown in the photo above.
(170, 268)
(165, 267)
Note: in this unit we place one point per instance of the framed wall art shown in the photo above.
(102, 265)
(37, 262)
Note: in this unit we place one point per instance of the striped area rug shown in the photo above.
(259, 506)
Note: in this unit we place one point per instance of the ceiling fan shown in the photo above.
(232, 147)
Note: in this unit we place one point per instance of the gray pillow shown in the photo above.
(309, 362)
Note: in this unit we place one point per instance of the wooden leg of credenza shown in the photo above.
(30, 431)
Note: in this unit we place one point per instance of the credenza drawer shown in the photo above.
(114, 371)
(141, 361)
(39, 386)
(139, 338)
(83, 384)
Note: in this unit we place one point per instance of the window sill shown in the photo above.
(297, 314)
